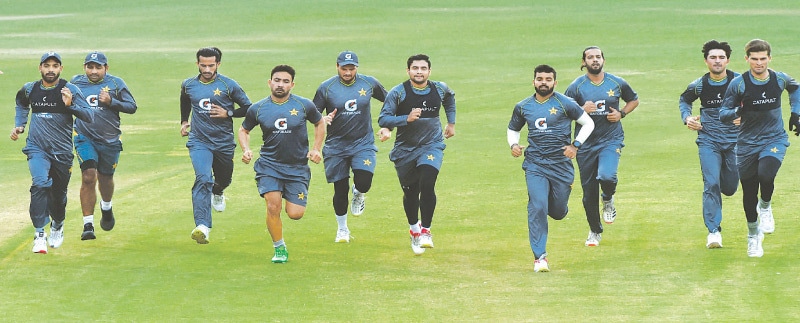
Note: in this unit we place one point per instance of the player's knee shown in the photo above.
(362, 180)
(88, 176)
(90, 164)
(559, 214)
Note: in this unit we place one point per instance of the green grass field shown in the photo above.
(651, 266)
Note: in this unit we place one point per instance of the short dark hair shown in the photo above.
(713, 44)
(282, 68)
(757, 45)
(210, 52)
(544, 68)
(418, 57)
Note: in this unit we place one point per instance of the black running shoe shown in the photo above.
(107, 222)
(88, 232)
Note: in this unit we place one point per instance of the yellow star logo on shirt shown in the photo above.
(301, 196)
(217, 92)
(774, 150)
(619, 151)
(293, 112)
(106, 89)
(362, 92)
(430, 157)
(114, 166)
(367, 162)
(610, 92)
(553, 110)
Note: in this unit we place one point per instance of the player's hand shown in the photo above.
(614, 115)
(414, 115)
(66, 96)
(589, 106)
(516, 150)
(315, 156)
(329, 117)
(570, 151)
(217, 112)
(185, 128)
(104, 98)
(449, 130)
(15, 132)
(737, 122)
(794, 123)
(693, 123)
(384, 134)
(247, 156)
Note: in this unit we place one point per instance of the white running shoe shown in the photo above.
(415, 246)
(56, 236)
(609, 211)
(39, 243)
(714, 240)
(754, 247)
(343, 235)
(200, 234)
(540, 265)
(218, 202)
(357, 204)
(594, 239)
(426, 239)
(766, 223)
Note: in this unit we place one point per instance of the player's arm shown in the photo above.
(449, 104)
(79, 106)
(794, 102)
(123, 100)
(388, 117)
(315, 154)
(244, 142)
(186, 109)
(730, 108)
(587, 126)
(243, 136)
(686, 100)
(22, 111)
(242, 100)
(513, 132)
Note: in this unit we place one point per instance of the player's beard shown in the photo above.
(594, 70)
(209, 75)
(50, 77)
(544, 90)
(280, 93)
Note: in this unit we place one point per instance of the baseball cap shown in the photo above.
(347, 58)
(96, 57)
(49, 55)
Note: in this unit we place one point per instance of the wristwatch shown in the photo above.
(622, 114)
(577, 144)
(230, 113)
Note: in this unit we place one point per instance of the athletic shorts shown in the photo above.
(104, 157)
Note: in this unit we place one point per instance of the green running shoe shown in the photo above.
(281, 255)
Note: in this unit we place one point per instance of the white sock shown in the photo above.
(342, 220)
(278, 243)
(355, 190)
(763, 204)
(88, 219)
(105, 206)
(752, 228)
(415, 227)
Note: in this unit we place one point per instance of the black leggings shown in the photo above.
(341, 189)
(421, 197)
(765, 178)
